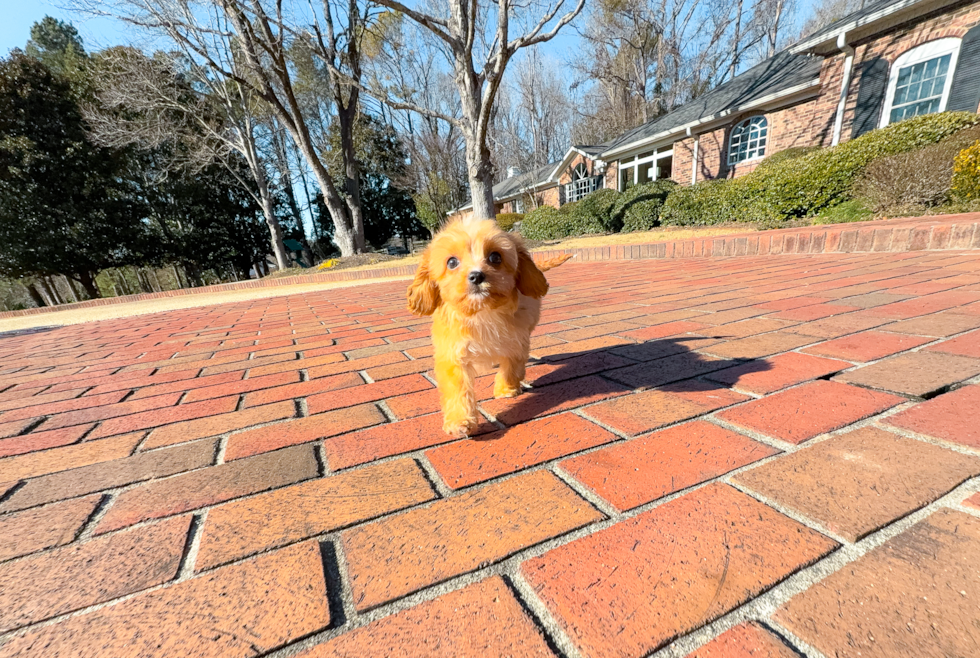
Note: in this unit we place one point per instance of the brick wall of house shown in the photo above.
(566, 175)
(811, 123)
(612, 176)
(951, 22)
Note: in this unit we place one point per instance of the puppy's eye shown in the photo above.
(495, 258)
(453, 263)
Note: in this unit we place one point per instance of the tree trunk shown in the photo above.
(71, 290)
(347, 117)
(43, 291)
(173, 268)
(53, 290)
(88, 282)
(480, 172)
(35, 294)
(268, 211)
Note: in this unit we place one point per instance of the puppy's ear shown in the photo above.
(530, 280)
(423, 293)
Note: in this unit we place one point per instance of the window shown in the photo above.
(582, 184)
(645, 167)
(748, 140)
(919, 80)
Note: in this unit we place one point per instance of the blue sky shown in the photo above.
(19, 15)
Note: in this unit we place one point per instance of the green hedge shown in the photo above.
(506, 220)
(639, 206)
(598, 207)
(547, 223)
(806, 185)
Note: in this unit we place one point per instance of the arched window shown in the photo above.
(919, 80)
(748, 140)
(582, 184)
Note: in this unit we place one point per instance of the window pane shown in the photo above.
(919, 88)
(748, 140)
(644, 175)
(664, 167)
(625, 178)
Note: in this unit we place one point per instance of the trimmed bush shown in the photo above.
(966, 173)
(547, 223)
(907, 181)
(639, 206)
(804, 186)
(787, 154)
(598, 206)
(506, 220)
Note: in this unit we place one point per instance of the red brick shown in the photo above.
(209, 486)
(951, 417)
(400, 554)
(301, 430)
(240, 386)
(777, 372)
(664, 330)
(200, 428)
(482, 619)
(477, 460)
(594, 331)
(415, 404)
(66, 457)
(648, 410)
(939, 325)
(88, 408)
(965, 345)
(746, 328)
(756, 347)
(27, 399)
(234, 363)
(973, 501)
(684, 365)
(34, 530)
(19, 445)
(650, 467)
(303, 389)
(866, 346)
(927, 304)
(912, 596)
(400, 369)
(184, 384)
(857, 482)
(696, 557)
(802, 413)
(322, 402)
(242, 610)
(747, 640)
(577, 348)
(73, 577)
(552, 399)
(165, 416)
(314, 507)
(111, 474)
(390, 439)
(915, 373)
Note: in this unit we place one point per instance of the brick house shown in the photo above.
(891, 60)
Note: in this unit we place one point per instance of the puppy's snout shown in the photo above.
(476, 277)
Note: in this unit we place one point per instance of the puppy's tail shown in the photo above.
(551, 263)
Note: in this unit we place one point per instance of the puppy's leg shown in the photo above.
(458, 397)
(507, 383)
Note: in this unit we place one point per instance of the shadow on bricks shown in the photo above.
(566, 381)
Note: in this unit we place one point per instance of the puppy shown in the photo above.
(484, 292)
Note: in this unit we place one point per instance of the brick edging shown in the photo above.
(917, 234)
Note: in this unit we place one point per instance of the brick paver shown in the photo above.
(229, 480)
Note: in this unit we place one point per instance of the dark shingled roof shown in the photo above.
(778, 73)
(515, 184)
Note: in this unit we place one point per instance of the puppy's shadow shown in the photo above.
(566, 380)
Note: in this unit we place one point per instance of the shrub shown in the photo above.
(787, 154)
(804, 186)
(854, 210)
(506, 220)
(598, 206)
(919, 178)
(639, 206)
(547, 223)
(966, 173)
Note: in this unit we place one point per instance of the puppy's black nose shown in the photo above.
(476, 277)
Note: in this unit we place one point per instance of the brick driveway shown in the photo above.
(749, 456)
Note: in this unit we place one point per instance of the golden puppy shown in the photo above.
(484, 292)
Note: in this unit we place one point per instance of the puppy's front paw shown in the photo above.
(506, 390)
(459, 429)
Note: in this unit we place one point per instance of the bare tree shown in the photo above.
(260, 41)
(172, 101)
(477, 40)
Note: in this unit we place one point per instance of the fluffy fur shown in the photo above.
(484, 292)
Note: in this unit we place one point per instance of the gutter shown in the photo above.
(694, 159)
(844, 85)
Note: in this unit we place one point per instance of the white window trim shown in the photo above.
(633, 163)
(922, 53)
(728, 154)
